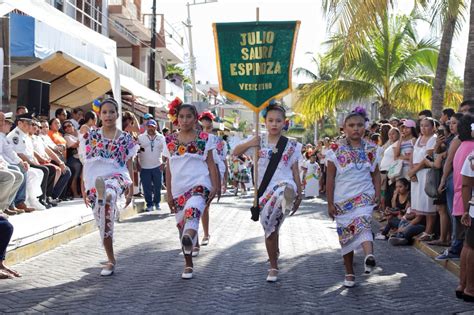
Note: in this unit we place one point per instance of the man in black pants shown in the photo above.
(23, 146)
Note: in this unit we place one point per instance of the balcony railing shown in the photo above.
(167, 35)
(130, 71)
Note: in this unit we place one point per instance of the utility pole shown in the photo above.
(192, 62)
(151, 75)
(5, 45)
(192, 59)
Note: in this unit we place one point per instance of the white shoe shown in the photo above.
(100, 188)
(272, 278)
(349, 283)
(288, 199)
(187, 275)
(36, 205)
(205, 241)
(188, 243)
(380, 236)
(149, 209)
(195, 251)
(105, 272)
(369, 264)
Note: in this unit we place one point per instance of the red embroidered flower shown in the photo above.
(334, 146)
(285, 158)
(352, 228)
(171, 146)
(93, 190)
(181, 201)
(100, 145)
(192, 148)
(188, 213)
(199, 189)
(86, 135)
(204, 135)
(370, 155)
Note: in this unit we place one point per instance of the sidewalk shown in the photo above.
(40, 231)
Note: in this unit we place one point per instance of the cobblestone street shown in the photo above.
(229, 273)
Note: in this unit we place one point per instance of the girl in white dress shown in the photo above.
(107, 158)
(284, 185)
(191, 176)
(220, 158)
(311, 177)
(353, 191)
(421, 204)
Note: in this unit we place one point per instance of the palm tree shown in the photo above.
(449, 14)
(393, 68)
(357, 18)
(469, 66)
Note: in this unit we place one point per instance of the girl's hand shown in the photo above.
(332, 211)
(212, 194)
(87, 202)
(171, 204)
(442, 186)
(255, 141)
(466, 219)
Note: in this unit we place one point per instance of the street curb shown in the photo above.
(450, 265)
(36, 248)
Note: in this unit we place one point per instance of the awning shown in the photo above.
(76, 82)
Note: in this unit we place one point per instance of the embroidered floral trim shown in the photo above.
(359, 224)
(263, 201)
(266, 153)
(190, 213)
(197, 146)
(348, 157)
(116, 182)
(220, 148)
(180, 201)
(117, 150)
(348, 205)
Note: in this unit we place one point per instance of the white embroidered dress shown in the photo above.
(271, 212)
(354, 192)
(106, 158)
(190, 178)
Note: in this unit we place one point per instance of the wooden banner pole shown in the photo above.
(257, 132)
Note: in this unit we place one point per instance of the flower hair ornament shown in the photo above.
(173, 110)
(361, 111)
(206, 114)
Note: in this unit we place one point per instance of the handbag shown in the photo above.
(395, 169)
(267, 177)
(433, 179)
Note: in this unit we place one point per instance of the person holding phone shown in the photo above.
(107, 158)
(192, 180)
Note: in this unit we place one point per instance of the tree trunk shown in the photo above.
(469, 67)
(386, 110)
(439, 86)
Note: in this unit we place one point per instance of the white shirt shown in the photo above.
(469, 172)
(22, 143)
(188, 170)
(151, 150)
(6, 150)
(388, 158)
(40, 147)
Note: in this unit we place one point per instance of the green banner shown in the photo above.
(255, 60)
